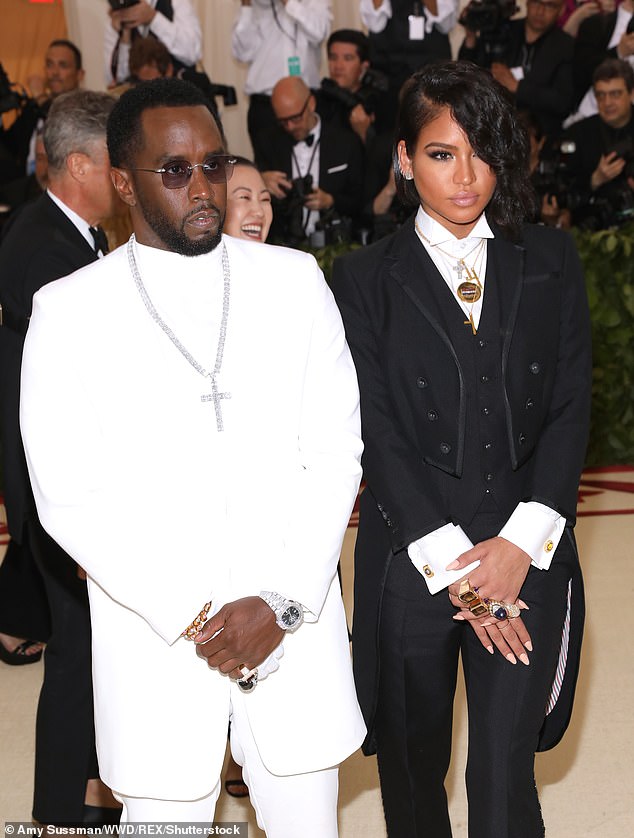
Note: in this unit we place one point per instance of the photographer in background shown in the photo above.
(531, 57)
(277, 38)
(602, 162)
(63, 72)
(405, 35)
(353, 94)
(313, 169)
(174, 22)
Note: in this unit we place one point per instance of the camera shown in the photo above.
(373, 84)
(288, 212)
(227, 92)
(10, 99)
(490, 19)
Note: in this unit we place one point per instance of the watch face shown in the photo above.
(290, 616)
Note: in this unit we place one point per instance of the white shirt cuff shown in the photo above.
(431, 554)
(536, 529)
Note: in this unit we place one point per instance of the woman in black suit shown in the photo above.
(470, 334)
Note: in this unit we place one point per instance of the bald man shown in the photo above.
(325, 163)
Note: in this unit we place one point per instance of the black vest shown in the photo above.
(487, 481)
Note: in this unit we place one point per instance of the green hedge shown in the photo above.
(608, 263)
(608, 260)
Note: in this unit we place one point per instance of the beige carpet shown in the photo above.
(586, 783)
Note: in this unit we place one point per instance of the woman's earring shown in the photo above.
(408, 175)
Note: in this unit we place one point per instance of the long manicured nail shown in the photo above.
(524, 658)
(489, 649)
(458, 617)
(523, 605)
(529, 645)
(454, 564)
(511, 658)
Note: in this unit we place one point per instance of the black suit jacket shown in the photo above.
(341, 165)
(41, 245)
(409, 375)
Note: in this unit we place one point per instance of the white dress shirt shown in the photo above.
(267, 41)
(533, 527)
(377, 19)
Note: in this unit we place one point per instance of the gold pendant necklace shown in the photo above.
(468, 291)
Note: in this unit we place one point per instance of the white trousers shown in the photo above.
(285, 807)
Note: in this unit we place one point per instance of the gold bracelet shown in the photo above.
(195, 626)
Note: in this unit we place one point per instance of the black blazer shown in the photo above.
(398, 343)
(341, 165)
(41, 245)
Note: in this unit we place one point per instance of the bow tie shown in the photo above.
(99, 237)
(310, 139)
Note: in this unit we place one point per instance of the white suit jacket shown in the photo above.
(133, 480)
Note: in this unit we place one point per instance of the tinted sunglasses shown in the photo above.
(176, 174)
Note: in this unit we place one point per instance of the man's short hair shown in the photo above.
(614, 68)
(146, 51)
(75, 122)
(62, 42)
(125, 135)
(351, 36)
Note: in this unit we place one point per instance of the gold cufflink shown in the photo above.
(428, 571)
(548, 546)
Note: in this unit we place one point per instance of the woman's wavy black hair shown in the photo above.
(485, 113)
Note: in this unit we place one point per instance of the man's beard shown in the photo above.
(176, 239)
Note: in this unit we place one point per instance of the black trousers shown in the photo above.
(419, 647)
(65, 756)
(24, 608)
(262, 126)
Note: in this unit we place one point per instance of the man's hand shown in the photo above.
(277, 183)
(141, 14)
(610, 166)
(360, 121)
(504, 76)
(502, 571)
(625, 46)
(245, 635)
(318, 200)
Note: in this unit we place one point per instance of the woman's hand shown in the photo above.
(510, 637)
(502, 571)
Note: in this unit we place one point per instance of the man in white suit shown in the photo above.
(190, 417)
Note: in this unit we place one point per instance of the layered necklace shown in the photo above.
(468, 291)
(215, 396)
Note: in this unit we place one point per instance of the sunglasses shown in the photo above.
(176, 174)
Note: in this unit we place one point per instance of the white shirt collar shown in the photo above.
(77, 220)
(437, 234)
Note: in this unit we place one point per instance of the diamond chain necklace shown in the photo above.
(215, 396)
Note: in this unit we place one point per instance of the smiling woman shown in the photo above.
(249, 210)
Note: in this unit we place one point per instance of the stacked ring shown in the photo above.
(502, 610)
(470, 598)
(249, 679)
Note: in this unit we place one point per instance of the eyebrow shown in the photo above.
(440, 145)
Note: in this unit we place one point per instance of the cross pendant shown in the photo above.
(215, 396)
(459, 268)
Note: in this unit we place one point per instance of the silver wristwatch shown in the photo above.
(289, 615)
